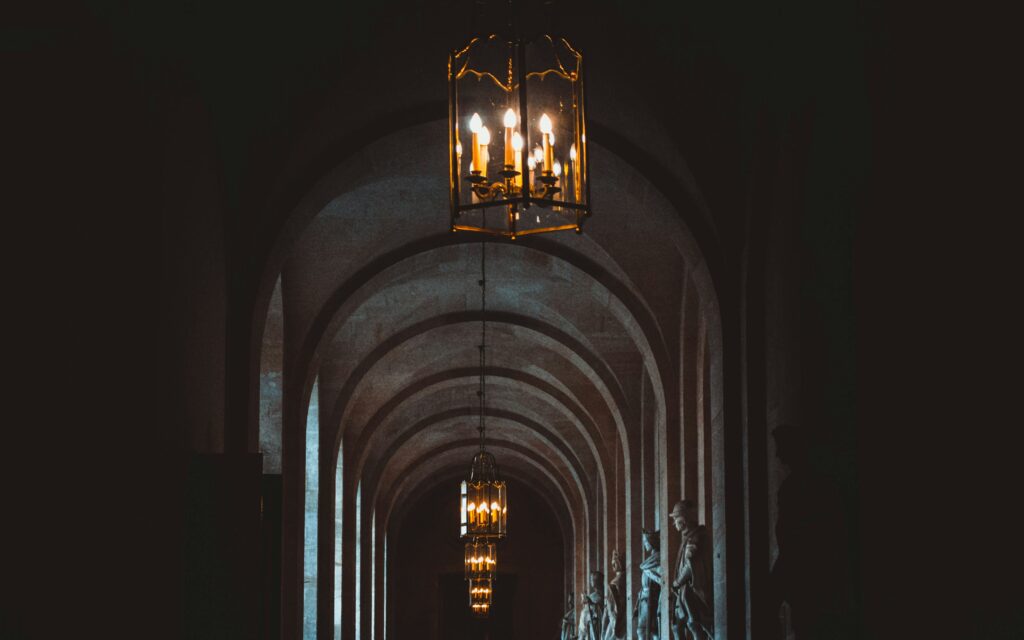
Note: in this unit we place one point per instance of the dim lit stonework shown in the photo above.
(324, 322)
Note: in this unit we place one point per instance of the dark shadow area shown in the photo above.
(813, 572)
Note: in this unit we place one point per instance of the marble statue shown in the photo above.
(614, 613)
(691, 587)
(569, 620)
(647, 601)
(592, 612)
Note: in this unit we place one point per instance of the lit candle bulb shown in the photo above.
(510, 123)
(474, 125)
(575, 171)
(538, 156)
(549, 152)
(484, 155)
(557, 168)
(517, 160)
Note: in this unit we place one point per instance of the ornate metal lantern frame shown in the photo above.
(483, 500)
(481, 592)
(481, 560)
(541, 177)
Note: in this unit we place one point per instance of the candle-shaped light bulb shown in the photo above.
(549, 153)
(572, 174)
(458, 149)
(474, 126)
(485, 156)
(510, 122)
(517, 158)
(538, 155)
(558, 168)
(530, 162)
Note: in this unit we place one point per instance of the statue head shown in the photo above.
(684, 515)
(596, 579)
(616, 562)
(652, 540)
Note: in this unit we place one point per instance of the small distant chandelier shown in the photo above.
(533, 169)
(480, 595)
(481, 560)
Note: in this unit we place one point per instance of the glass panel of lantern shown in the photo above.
(481, 560)
(517, 137)
(483, 501)
(480, 592)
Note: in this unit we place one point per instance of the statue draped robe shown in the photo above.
(614, 613)
(692, 587)
(592, 617)
(648, 599)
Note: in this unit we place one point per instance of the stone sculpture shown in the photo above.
(592, 613)
(691, 587)
(646, 609)
(614, 613)
(569, 620)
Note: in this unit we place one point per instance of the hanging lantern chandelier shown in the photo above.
(483, 500)
(480, 594)
(482, 497)
(533, 169)
(481, 563)
(481, 560)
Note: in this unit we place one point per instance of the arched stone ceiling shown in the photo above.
(381, 302)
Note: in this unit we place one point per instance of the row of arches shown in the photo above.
(604, 375)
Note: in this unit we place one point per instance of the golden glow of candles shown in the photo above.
(557, 168)
(474, 125)
(538, 156)
(572, 152)
(510, 122)
(549, 152)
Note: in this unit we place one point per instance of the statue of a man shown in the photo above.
(569, 620)
(691, 587)
(592, 613)
(614, 613)
(647, 601)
